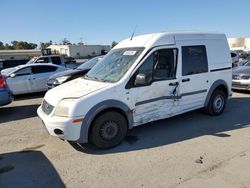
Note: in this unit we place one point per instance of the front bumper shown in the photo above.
(61, 127)
(241, 84)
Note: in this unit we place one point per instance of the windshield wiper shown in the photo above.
(92, 78)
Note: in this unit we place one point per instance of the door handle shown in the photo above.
(174, 84)
(186, 80)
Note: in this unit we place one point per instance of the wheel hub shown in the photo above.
(218, 103)
(109, 130)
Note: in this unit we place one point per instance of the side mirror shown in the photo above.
(13, 75)
(140, 79)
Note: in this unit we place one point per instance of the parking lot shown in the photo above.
(190, 150)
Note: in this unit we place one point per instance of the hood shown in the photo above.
(70, 72)
(74, 89)
(241, 70)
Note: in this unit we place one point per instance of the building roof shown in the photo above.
(19, 51)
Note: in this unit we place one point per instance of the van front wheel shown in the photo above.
(108, 130)
(216, 103)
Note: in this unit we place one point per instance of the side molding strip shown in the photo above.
(170, 97)
(214, 70)
(157, 99)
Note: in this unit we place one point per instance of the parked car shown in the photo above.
(5, 93)
(69, 59)
(235, 58)
(241, 63)
(242, 54)
(51, 59)
(30, 78)
(142, 79)
(4, 64)
(241, 77)
(65, 76)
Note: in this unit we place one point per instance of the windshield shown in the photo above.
(114, 65)
(247, 63)
(90, 63)
(31, 61)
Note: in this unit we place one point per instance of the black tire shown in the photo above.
(108, 130)
(217, 103)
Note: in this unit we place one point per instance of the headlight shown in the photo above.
(62, 109)
(61, 80)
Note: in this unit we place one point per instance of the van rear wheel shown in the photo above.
(216, 103)
(108, 130)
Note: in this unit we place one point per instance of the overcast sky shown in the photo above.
(104, 21)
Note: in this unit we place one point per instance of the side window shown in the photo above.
(43, 60)
(160, 65)
(56, 60)
(43, 69)
(24, 72)
(147, 69)
(194, 60)
(165, 64)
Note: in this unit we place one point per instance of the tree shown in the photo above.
(20, 45)
(65, 41)
(17, 45)
(113, 44)
(44, 45)
(2, 47)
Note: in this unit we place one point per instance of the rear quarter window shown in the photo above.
(194, 60)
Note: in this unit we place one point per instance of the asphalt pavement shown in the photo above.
(189, 150)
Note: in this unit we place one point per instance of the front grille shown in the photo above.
(241, 77)
(46, 107)
(245, 77)
(240, 86)
(236, 77)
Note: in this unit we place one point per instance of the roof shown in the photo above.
(166, 38)
(20, 51)
(15, 52)
(37, 64)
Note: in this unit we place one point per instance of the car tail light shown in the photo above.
(3, 83)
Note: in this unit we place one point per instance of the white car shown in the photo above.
(51, 59)
(142, 79)
(30, 78)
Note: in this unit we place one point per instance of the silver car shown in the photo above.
(30, 78)
(241, 77)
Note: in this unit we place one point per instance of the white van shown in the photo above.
(142, 79)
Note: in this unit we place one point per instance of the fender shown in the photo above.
(216, 84)
(91, 114)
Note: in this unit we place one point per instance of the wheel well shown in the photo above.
(222, 88)
(112, 109)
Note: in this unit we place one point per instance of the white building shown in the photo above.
(19, 54)
(79, 51)
(239, 43)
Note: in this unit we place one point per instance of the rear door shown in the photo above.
(21, 82)
(41, 73)
(195, 78)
